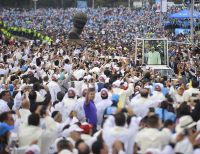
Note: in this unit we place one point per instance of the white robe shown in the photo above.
(54, 88)
(153, 58)
(45, 138)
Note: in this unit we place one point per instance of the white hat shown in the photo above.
(185, 122)
(71, 90)
(104, 91)
(75, 128)
(66, 133)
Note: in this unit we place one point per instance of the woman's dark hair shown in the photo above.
(153, 121)
(147, 75)
(183, 110)
(34, 119)
(37, 87)
(32, 95)
(97, 146)
(66, 61)
(38, 61)
(164, 105)
(64, 144)
(47, 99)
(120, 119)
(55, 102)
(56, 62)
(196, 112)
(60, 96)
(195, 84)
(54, 114)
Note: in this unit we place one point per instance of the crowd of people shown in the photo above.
(90, 96)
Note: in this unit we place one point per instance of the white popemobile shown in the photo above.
(153, 56)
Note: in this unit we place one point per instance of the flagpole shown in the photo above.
(192, 22)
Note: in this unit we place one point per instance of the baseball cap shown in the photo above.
(75, 128)
(5, 128)
(86, 128)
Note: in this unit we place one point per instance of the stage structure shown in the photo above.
(151, 51)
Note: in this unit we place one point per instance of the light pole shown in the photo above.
(93, 4)
(161, 3)
(62, 4)
(35, 4)
(191, 22)
(129, 4)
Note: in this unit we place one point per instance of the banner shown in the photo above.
(182, 31)
(82, 4)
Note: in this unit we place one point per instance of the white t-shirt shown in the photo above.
(3, 106)
(184, 147)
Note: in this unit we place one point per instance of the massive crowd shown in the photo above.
(90, 96)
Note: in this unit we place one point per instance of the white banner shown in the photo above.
(164, 5)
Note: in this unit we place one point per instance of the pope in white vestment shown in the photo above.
(153, 58)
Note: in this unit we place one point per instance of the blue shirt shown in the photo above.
(91, 113)
(166, 115)
(24, 68)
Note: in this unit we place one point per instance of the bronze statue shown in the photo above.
(79, 21)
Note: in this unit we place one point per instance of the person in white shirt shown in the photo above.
(115, 128)
(158, 95)
(79, 106)
(64, 146)
(178, 96)
(59, 106)
(67, 66)
(70, 100)
(151, 137)
(5, 99)
(140, 105)
(32, 132)
(24, 111)
(188, 93)
(74, 133)
(153, 57)
(185, 135)
(102, 105)
(54, 88)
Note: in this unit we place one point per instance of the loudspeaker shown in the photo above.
(79, 21)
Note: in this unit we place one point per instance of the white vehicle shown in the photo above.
(163, 70)
(154, 56)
